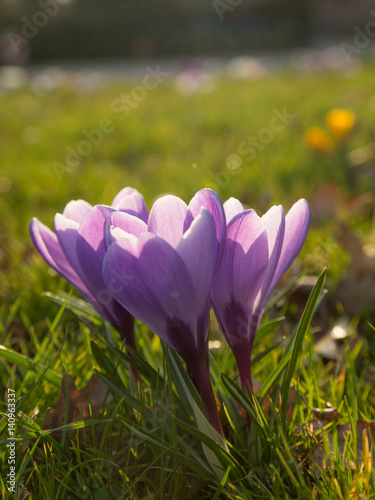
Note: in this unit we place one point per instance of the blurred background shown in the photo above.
(263, 100)
(71, 29)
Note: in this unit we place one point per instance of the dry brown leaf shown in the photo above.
(18, 331)
(356, 291)
(324, 201)
(95, 393)
(365, 443)
(362, 205)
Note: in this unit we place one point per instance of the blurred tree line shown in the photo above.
(118, 28)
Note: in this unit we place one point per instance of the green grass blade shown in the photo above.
(73, 426)
(21, 402)
(283, 293)
(244, 401)
(148, 437)
(264, 353)
(23, 361)
(185, 388)
(274, 375)
(225, 458)
(79, 307)
(299, 337)
(105, 363)
(266, 329)
(206, 428)
(134, 358)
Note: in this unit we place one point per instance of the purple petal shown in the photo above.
(169, 219)
(131, 201)
(297, 222)
(124, 193)
(90, 247)
(117, 224)
(76, 210)
(198, 249)
(66, 231)
(47, 244)
(232, 207)
(207, 198)
(90, 252)
(153, 283)
(274, 222)
(246, 254)
(240, 273)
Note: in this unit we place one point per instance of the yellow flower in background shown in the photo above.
(318, 140)
(340, 123)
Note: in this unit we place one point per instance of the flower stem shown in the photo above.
(202, 381)
(243, 358)
(126, 331)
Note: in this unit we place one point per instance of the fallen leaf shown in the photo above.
(324, 201)
(356, 291)
(95, 393)
(18, 331)
(324, 453)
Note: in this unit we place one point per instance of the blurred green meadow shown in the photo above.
(174, 143)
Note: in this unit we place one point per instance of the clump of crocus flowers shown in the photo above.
(168, 267)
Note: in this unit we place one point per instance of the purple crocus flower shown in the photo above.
(162, 274)
(76, 251)
(257, 252)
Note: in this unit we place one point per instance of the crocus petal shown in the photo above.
(297, 222)
(66, 231)
(169, 218)
(246, 255)
(48, 246)
(131, 201)
(153, 283)
(90, 247)
(76, 252)
(240, 273)
(198, 249)
(207, 198)
(232, 207)
(274, 222)
(119, 223)
(76, 210)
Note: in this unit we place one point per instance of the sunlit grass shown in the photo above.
(146, 442)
